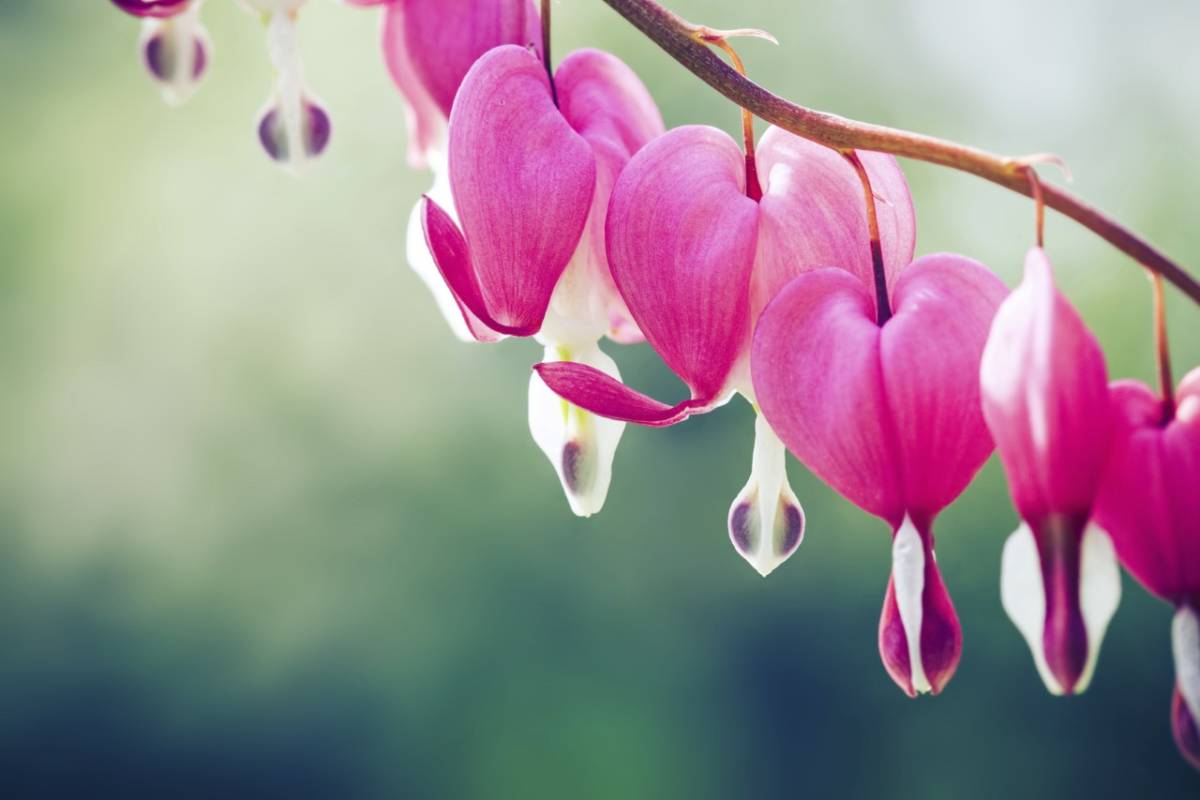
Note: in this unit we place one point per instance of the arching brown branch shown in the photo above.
(674, 35)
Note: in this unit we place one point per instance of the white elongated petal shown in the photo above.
(417, 248)
(908, 577)
(766, 522)
(293, 128)
(1024, 597)
(1185, 646)
(1023, 593)
(1099, 593)
(579, 444)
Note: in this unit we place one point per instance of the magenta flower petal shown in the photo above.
(1045, 397)
(523, 182)
(1148, 502)
(813, 214)
(426, 121)
(158, 9)
(943, 307)
(444, 39)
(681, 240)
(593, 390)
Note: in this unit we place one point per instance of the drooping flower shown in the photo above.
(696, 258)
(888, 415)
(293, 128)
(1149, 502)
(530, 181)
(174, 44)
(1045, 398)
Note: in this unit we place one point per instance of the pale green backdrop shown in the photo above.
(266, 530)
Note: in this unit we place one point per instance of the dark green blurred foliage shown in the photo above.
(266, 530)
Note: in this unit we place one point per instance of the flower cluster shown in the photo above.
(783, 271)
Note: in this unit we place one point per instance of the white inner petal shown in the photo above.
(769, 498)
(580, 445)
(1023, 596)
(908, 579)
(1099, 593)
(289, 82)
(1185, 645)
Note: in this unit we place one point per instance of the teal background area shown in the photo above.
(267, 530)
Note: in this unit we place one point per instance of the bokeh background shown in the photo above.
(267, 530)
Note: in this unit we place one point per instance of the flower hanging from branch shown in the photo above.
(782, 270)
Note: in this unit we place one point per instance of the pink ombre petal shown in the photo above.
(444, 39)
(813, 214)
(594, 391)
(681, 239)
(943, 307)
(818, 379)
(523, 184)
(453, 260)
(1045, 397)
(426, 121)
(603, 99)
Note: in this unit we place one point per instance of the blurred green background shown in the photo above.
(267, 530)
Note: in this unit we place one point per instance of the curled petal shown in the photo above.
(443, 40)
(766, 522)
(1045, 397)
(920, 638)
(600, 393)
(523, 185)
(1148, 500)
(813, 213)
(452, 258)
(579, 444)
(156, 9)
(420, 259)
(681, 239)
(1060, 586)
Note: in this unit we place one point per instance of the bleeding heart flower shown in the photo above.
(1046, 402)
(530, 181)
(888, 415)
(1150, 504)
(696, 259)
(158, 9)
